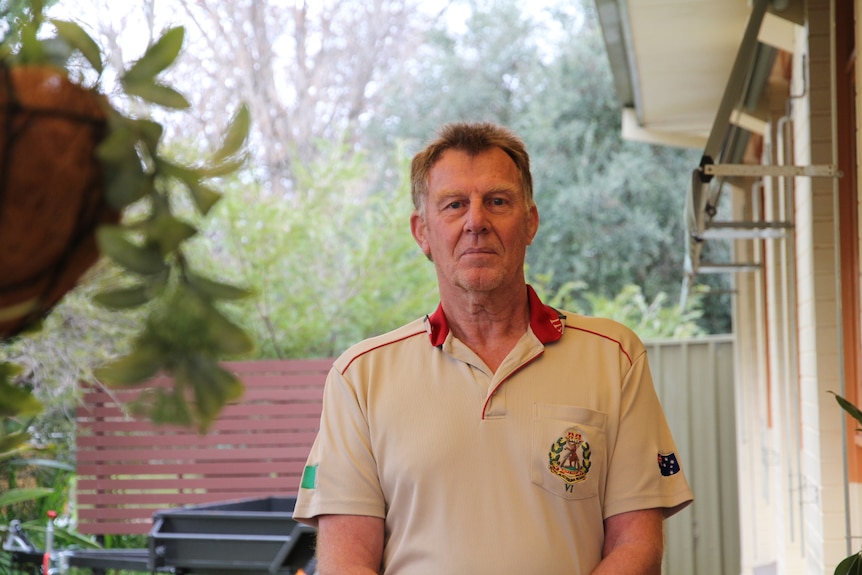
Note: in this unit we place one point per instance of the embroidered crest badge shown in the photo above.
(569, 457)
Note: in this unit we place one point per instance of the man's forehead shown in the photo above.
(492, 164)
(472, 154)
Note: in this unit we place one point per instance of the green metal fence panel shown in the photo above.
(694, 379)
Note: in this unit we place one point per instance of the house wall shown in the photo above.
(855, 489)
(820, 357)
(786, 317)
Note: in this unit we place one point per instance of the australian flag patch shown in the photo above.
(667, 464)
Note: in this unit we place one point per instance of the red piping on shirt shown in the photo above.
(545, 321)
(619, 343)
(532, 359)
(358, 355)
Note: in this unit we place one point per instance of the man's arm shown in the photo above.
(634, 543)
(349, 545)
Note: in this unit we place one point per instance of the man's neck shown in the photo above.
(489, 323)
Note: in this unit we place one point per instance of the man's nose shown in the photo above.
(477, 218)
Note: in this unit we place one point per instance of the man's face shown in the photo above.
(477, 224)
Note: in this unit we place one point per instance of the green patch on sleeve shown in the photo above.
(309, 477)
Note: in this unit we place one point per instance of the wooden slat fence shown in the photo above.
(128, 468)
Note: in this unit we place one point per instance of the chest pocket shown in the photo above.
(568, 450)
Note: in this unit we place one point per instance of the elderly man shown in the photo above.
(497, 435)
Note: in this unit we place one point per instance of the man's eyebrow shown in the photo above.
(507, 188)
(458, 192)
(451, 193)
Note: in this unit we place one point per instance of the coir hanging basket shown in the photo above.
(51, 194)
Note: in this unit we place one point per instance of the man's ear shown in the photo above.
(420, 232)
(532, 223)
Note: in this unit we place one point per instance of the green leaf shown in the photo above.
(189, 176)
(163, 406)
(851, 565)
(212, 290)
(48, 464)
(118, 145)
(140, 365)
(74, 538)
(148, 132)
(19, 495)
(157, 57)
(76, 37)
(124, 298)
(142, 260)
(156, 94)
(235, 136)
(32, 51)
(9, 370)
(17, 401)
(227, 338)
(204, 197)
(213, 388)
(848, 407)
(189, 324)
(125, 181)
(12, 441)
(224, 168)
(169, 232)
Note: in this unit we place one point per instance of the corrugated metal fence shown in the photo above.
(694, 380)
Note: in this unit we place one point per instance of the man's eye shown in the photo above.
(454, 205)
(498, 201)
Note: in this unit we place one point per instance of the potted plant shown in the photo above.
(80, 179)
(851, 565)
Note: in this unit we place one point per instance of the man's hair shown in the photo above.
(472, 138)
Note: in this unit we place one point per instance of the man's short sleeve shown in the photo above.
(645, 468)
(340, 475)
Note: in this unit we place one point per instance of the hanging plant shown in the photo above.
(72, 167)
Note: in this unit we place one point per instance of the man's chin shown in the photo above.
(480, 281)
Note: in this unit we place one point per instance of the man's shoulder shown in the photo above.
(607, 329)
(415, 328)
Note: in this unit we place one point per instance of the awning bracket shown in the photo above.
(760, 170)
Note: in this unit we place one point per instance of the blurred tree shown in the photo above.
(611, 210)
(310, 71)
(487, 67)
(340, 89)
(333, 265)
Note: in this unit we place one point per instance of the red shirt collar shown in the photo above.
(545, 321)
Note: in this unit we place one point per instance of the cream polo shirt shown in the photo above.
(508, 472)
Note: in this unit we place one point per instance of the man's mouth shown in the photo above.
(479, 252)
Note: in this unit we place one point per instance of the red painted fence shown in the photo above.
(129, 468)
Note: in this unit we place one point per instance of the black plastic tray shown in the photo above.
(244, 536)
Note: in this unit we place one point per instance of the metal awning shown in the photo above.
(671, 60)
(692, 73)
(725, 145)
(721, 156)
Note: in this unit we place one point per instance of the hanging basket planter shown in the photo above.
(51, 192)
(70, 164)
